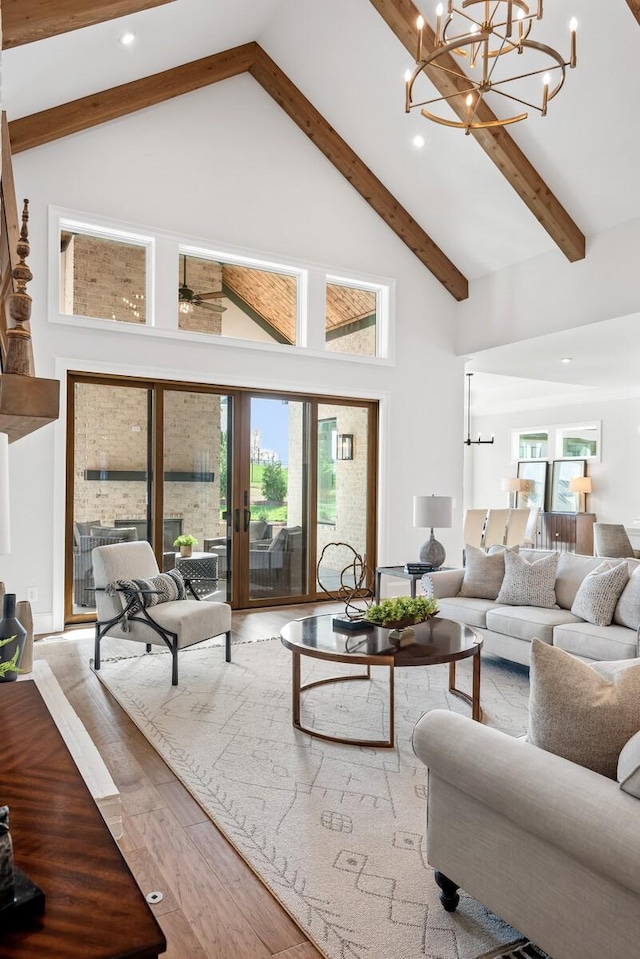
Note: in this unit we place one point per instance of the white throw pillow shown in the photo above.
(529, 584)
(483, 573)
(600, 591)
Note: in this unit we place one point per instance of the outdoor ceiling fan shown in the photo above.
(188, 298)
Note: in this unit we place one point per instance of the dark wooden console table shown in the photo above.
(567, 532)
(94, 908)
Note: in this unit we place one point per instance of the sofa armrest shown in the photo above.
(447, 582)
(575, 809)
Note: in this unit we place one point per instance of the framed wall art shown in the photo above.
(562, 471)
(534, 474)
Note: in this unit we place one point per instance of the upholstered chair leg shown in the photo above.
(96, 653)
(228, 646)
(449, 896)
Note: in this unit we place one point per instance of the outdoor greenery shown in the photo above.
(274, 483)
(402, 609)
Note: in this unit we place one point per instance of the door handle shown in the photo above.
(236, 520)
(247, 519)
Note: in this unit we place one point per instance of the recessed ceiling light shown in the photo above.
(566, 359)
(127, 38)
(418, 141)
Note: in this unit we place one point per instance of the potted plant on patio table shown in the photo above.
(185, 542)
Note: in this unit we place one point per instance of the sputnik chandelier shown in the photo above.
(493, 35)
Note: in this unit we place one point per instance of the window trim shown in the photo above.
(555, 433)
(157, 241)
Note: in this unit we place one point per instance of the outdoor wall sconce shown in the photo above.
(344, 446)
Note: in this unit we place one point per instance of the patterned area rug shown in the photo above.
(336, 832)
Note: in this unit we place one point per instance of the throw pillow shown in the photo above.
(126, 533)
(585, 713)
(529, 584)
(483, 573)
(629, 767)
(627, 612)
(163, 588)
(600, 591)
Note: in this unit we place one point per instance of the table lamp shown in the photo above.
(580, 485)
(513, 485)
(430, 512)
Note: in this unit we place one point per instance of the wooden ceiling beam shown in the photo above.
(634, 6)
(49, 125)
(348, 163)
(24, 21)
(401, 16)
(60, 121)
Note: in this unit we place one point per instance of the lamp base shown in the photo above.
(432, 552)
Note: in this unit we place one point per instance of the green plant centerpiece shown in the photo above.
(185, 542)
(400, 613)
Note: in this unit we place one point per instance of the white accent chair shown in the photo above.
(516, 527)
(496, 529)
(174, 624)
(473, 527)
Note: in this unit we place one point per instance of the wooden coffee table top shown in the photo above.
(436, 641)
(93, 907)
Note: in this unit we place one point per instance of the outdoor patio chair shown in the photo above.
(133, 602)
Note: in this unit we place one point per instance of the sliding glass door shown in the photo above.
(240, 490)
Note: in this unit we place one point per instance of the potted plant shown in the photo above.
(185, 542)
(400, 613)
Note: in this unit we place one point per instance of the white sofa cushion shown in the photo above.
(465, 609)
(528, 622)
(528, 584)
(596, 642)
(600, 591)
(585, 713)
(629, 767)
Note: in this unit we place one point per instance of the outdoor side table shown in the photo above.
(201, 569)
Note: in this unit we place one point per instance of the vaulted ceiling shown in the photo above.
(465, 206)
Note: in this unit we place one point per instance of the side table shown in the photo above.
(399, 571)
(201, 569)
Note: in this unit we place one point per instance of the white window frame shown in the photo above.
(382, 310)
(555, 433)
(103, 231)
(587, 425)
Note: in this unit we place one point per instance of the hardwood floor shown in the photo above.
(213, 905)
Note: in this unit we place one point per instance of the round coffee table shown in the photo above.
(436, 641)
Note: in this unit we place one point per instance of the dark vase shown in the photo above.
(12, 630)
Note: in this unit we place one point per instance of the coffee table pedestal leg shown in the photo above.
(474, 699)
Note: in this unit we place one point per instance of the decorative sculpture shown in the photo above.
(356, 573)
(20, 349)
(20, 899)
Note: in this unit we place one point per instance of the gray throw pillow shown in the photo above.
(600, 591)
(627, 612)
(585, 713)
(529, 584)
(629, 767)
(483, 573)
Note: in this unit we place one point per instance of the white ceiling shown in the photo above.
(345, 59)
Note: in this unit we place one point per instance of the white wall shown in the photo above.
(547, 293)
(615, 497)
(225, 166)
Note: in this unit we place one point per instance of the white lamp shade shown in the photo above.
(513, 484)
(432, 511)
(5, 539)
(580, 484)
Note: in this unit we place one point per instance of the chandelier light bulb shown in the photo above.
(419, 25)
(546, 80)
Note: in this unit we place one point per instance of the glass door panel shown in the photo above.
(195, 490)
(343, 506)
(277, 499)
(110, 495)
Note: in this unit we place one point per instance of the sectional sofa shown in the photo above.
(508, 629)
